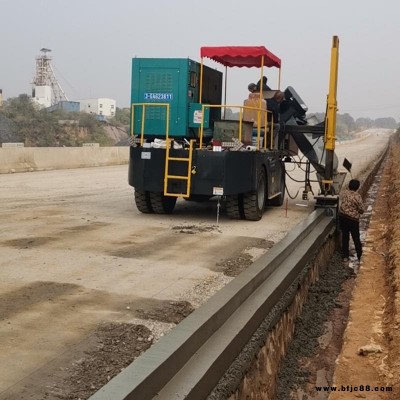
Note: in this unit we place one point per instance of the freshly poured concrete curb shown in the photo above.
(213, 335)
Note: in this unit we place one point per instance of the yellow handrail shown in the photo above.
(142, 128)
(260, 113)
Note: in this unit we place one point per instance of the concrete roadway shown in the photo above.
(76, 252)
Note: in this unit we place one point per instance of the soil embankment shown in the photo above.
(370, 357)
(354, 351)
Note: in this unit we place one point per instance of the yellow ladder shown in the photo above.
(168, 177)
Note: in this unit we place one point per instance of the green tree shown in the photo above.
(122, 117)
(364, 123)
(347, 120)
(38, 127)
(387, 123)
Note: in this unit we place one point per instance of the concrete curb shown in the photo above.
(164, 363)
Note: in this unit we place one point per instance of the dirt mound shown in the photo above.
(119, 135)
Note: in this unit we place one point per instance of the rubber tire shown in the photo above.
(162, 204)
(254, 201)
(277, 201)
(142, 200)
(234, 206)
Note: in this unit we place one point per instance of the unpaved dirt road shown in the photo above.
(76, 253)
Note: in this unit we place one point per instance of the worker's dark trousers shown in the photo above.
(350, 226)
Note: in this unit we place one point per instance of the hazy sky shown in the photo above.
(93, 42)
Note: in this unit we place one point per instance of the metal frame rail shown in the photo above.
(188, 362)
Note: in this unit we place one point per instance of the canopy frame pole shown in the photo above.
(225, 89)
(261, 79)
(201, 81)
(279, 77)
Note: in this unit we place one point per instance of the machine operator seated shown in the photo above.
(271, 102)
(273, 98)
(254, 110)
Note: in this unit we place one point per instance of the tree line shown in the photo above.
(346, 125)
(21, 120)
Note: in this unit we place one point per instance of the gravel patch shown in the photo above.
(114, 346)
(311, 325)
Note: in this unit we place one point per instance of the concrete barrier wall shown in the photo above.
(48, 158)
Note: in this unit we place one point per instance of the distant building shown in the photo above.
(102, 107)
(68, 106)
(42, 95)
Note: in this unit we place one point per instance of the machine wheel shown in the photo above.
(142, 200)
(162, 204)
(277, 201)
(254, 201)
(234, 206)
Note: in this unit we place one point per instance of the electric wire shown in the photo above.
(289, 195)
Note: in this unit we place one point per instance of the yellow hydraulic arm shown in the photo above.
(330, 121)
